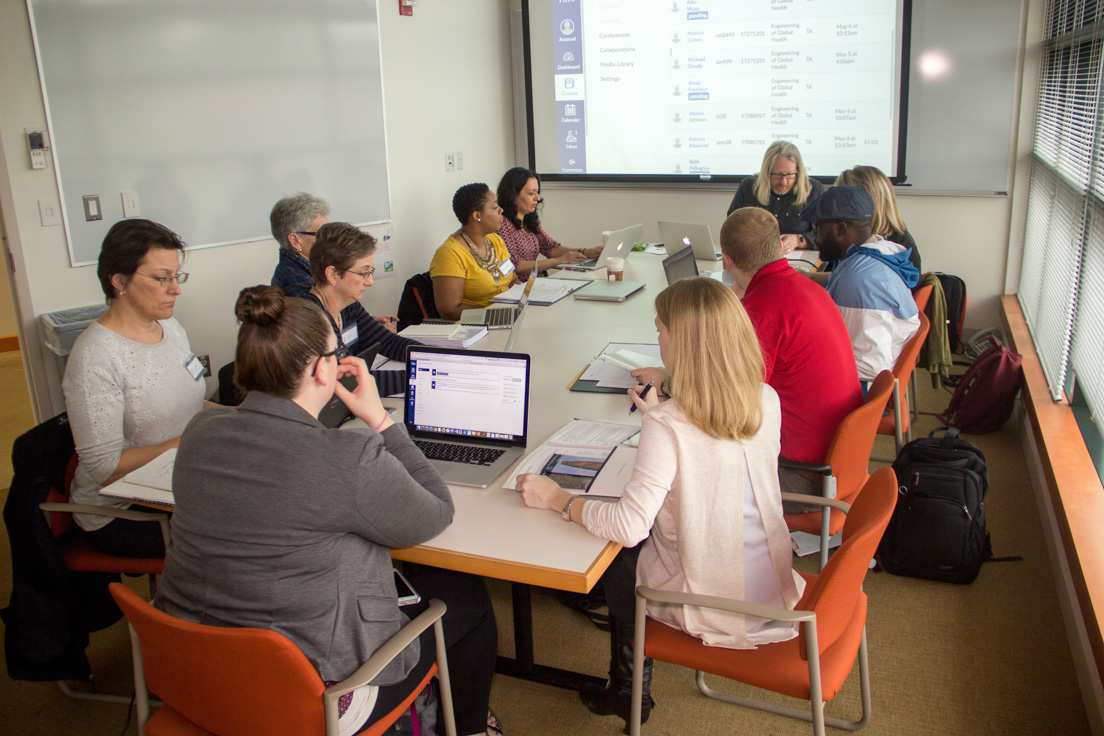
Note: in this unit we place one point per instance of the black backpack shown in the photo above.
(938, 527)
(954, 291)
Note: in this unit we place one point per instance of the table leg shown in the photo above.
(523, 665)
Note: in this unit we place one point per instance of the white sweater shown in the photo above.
(714, 511)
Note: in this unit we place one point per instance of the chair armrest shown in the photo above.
(130, 514)
(810, 467)
(723, 604)
(390, 649)
(817, 501)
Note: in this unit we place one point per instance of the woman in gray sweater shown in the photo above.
(283, 524)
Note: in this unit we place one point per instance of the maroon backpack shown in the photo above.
(986, 394)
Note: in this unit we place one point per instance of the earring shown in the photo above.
(479, 219)
(333, 283)
(122, 292)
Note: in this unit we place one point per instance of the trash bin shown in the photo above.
(61, 329)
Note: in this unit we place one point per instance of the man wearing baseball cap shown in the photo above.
(872, 282)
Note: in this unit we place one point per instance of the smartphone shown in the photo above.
(407, 595)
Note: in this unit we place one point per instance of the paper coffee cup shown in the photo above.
(605, 237)
(615, 268)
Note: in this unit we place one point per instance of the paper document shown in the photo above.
(656, 249)
(807, 544)
(584, 457)
(611, 375)
(630, 360)
(157, 473)
(545, 291)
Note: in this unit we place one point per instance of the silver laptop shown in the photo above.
(678, 235)
(681, 265)
(501, 317)
(335, 413)
(467, 410)
(609, 291)
(620, 244)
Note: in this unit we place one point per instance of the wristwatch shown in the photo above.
(566, 513)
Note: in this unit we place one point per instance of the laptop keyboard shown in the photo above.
(463, 454)
(500, 317)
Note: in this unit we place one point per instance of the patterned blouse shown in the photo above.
(524, 245)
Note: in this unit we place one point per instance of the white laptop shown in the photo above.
(620, 244)
(678, 235)
(499, 317)
(467, 410)
(609, 291)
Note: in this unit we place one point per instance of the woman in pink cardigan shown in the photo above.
(703, 511)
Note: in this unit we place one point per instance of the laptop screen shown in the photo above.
(464, 393)
(680, 266)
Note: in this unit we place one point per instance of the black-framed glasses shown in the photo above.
(338, 353)
(780, 175)
(364, 275)
(312, 233)
(179, 277)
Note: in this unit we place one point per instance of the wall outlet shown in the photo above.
(206, 361)
(450, 161)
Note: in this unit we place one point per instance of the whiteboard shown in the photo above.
(961, 122)
(211, 111)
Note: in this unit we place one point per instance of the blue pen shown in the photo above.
(643, 394)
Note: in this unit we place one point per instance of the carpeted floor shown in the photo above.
(987, 658)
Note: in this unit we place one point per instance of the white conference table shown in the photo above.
(493, 533)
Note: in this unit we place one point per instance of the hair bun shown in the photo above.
(259, 305)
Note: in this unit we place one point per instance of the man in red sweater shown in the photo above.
(807, 354)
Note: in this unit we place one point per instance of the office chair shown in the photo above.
(211, 677)
(921, 295)
(845, 468)
(831, 616)
(79, 556)
(416, 303)
(897, 422)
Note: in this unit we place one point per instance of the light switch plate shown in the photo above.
(131, 207)
(49, 212)
(92, 211)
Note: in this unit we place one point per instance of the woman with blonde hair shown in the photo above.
(783, 188)
(703, 511)
(887, 220)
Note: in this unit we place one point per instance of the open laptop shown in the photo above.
(335, 413)
(678, 235)
(467, 410)
(680, 266)
(503, 316)
(620, 244)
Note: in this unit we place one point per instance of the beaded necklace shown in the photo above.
(487, 262)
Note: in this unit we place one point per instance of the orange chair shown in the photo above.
(240, 681)
(79, 556)
(897, 423)
(831, 616)
(921, 295)
(845, 468)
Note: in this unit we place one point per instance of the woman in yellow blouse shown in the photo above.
(473, 265)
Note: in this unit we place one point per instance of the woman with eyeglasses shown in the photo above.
(132, 382)
(341, 269)
(283, 524)
(783, 188)
(472, 266)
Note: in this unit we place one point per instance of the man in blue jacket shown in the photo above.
(872, 282)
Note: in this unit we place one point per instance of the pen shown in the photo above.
(643, 394)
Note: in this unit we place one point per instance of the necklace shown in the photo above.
(486, 262)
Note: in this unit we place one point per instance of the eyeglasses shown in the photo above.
(338, 353)
(312, 233)
(780, 175)
(364, 275)
(179, 277)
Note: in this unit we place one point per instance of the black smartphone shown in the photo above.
(407, 595)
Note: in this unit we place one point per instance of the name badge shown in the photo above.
(349, 335)
(195, 367)
(506, 267)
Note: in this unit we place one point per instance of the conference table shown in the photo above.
(493, 533)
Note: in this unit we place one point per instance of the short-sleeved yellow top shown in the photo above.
(454, 258)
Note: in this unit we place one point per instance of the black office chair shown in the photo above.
(416, 303)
